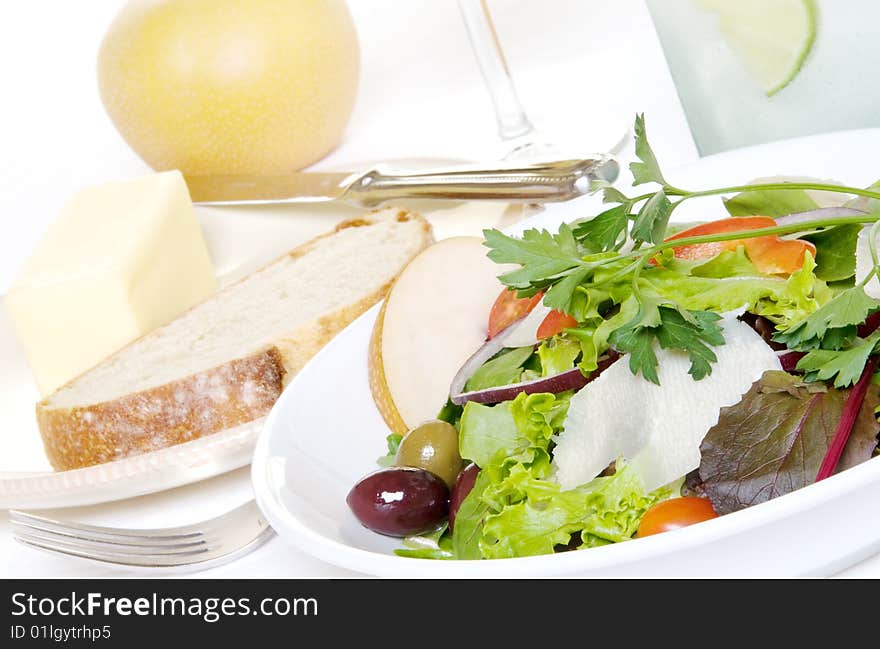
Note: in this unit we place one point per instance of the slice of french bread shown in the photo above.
(224, 362)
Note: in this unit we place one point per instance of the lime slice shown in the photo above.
(772, 38)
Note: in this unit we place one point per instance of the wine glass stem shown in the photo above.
(512, 120)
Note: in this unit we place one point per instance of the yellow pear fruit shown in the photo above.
(230, 86)
(433, 319)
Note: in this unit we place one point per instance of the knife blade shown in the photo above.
(310, 187)
(542, 182)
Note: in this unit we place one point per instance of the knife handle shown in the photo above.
(534, 183)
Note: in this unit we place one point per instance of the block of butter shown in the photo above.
(121, 259)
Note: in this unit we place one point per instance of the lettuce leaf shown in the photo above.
(774, 440)
(469, 521)
(497, 436)
(558, 355)
(515, 508)
(727, 282)
(606, 510)
(504, 369)
(486, 432)
(393, 440)
(777, 202)
(730, 287)
(835, 252)
(432, 545)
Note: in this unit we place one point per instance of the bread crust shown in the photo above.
(180, 411)
(223, 397)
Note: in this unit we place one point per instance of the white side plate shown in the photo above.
(240, 240)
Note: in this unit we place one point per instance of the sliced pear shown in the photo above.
(434, 318)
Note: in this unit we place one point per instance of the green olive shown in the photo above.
(432, 446)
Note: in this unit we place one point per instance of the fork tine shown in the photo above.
(144, 561)
(206, 528)
(101, 531)
(200, 545)
(47, 526)
(118, 547)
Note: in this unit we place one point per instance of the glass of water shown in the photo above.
(753, 71)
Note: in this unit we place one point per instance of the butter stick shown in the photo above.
(120, 260)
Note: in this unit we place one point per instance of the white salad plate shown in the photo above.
(240, 240)
(325, 433)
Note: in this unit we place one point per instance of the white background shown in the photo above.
(583, 69)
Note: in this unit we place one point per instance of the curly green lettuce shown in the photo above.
(515, 509)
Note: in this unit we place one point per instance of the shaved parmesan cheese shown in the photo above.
(657, 428)
(865, 264)
(526, 332)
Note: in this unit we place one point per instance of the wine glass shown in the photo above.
(523, 141)
(514, 127)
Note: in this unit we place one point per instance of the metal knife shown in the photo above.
(533, 183)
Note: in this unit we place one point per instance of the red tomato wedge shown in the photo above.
(770, 254)
(509, 308)
(554, 323)
(675, 513)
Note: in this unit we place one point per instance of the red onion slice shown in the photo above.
(572, 379)
(478, 359)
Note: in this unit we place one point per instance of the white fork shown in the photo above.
(200, 545)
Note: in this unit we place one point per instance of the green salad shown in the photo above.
(640, 377)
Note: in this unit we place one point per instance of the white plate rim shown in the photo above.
(166, 468)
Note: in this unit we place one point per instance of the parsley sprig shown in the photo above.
(646, 216)
(596, 256)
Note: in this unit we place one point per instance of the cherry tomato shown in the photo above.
(770, 254)
(675, 513)
(509, 308)
(554, 323)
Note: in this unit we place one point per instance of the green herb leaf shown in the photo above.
(835, 252)
(648, 170)
(561, 295)
(832, 325)
(843, 366)
(650, 223)
(689, 331)
(692, 336)
(542, 256)
(605, 231)
(638, 342)
(613, 195)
